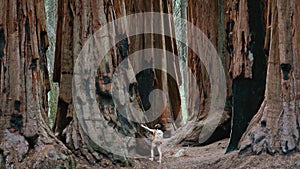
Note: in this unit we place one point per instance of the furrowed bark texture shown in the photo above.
(237, 31)
(25, 138)
(77, 21)
(245, 44)
(211, 19)
(275, 127)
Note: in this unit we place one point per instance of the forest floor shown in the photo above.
(213, 157)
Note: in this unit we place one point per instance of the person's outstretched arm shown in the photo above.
(147, 128)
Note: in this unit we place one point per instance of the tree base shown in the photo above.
(268, 133)
(17, 151)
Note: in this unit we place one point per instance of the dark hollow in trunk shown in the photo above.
(248, 94)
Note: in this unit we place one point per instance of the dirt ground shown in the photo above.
(213, 157)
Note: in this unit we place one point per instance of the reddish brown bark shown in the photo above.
(245, 44)
(25, 138)
(209, 17)
(77, 21)
(275, 127)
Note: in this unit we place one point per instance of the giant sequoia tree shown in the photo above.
(275, 128)
(255, 32)
(246, 34)
(25, 138)
(236, 29)
(77, 21)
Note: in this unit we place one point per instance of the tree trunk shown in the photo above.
(275, 127)
(77, 21)
(209, 17)
(234, 30)
(25, 138)
(248, 65)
